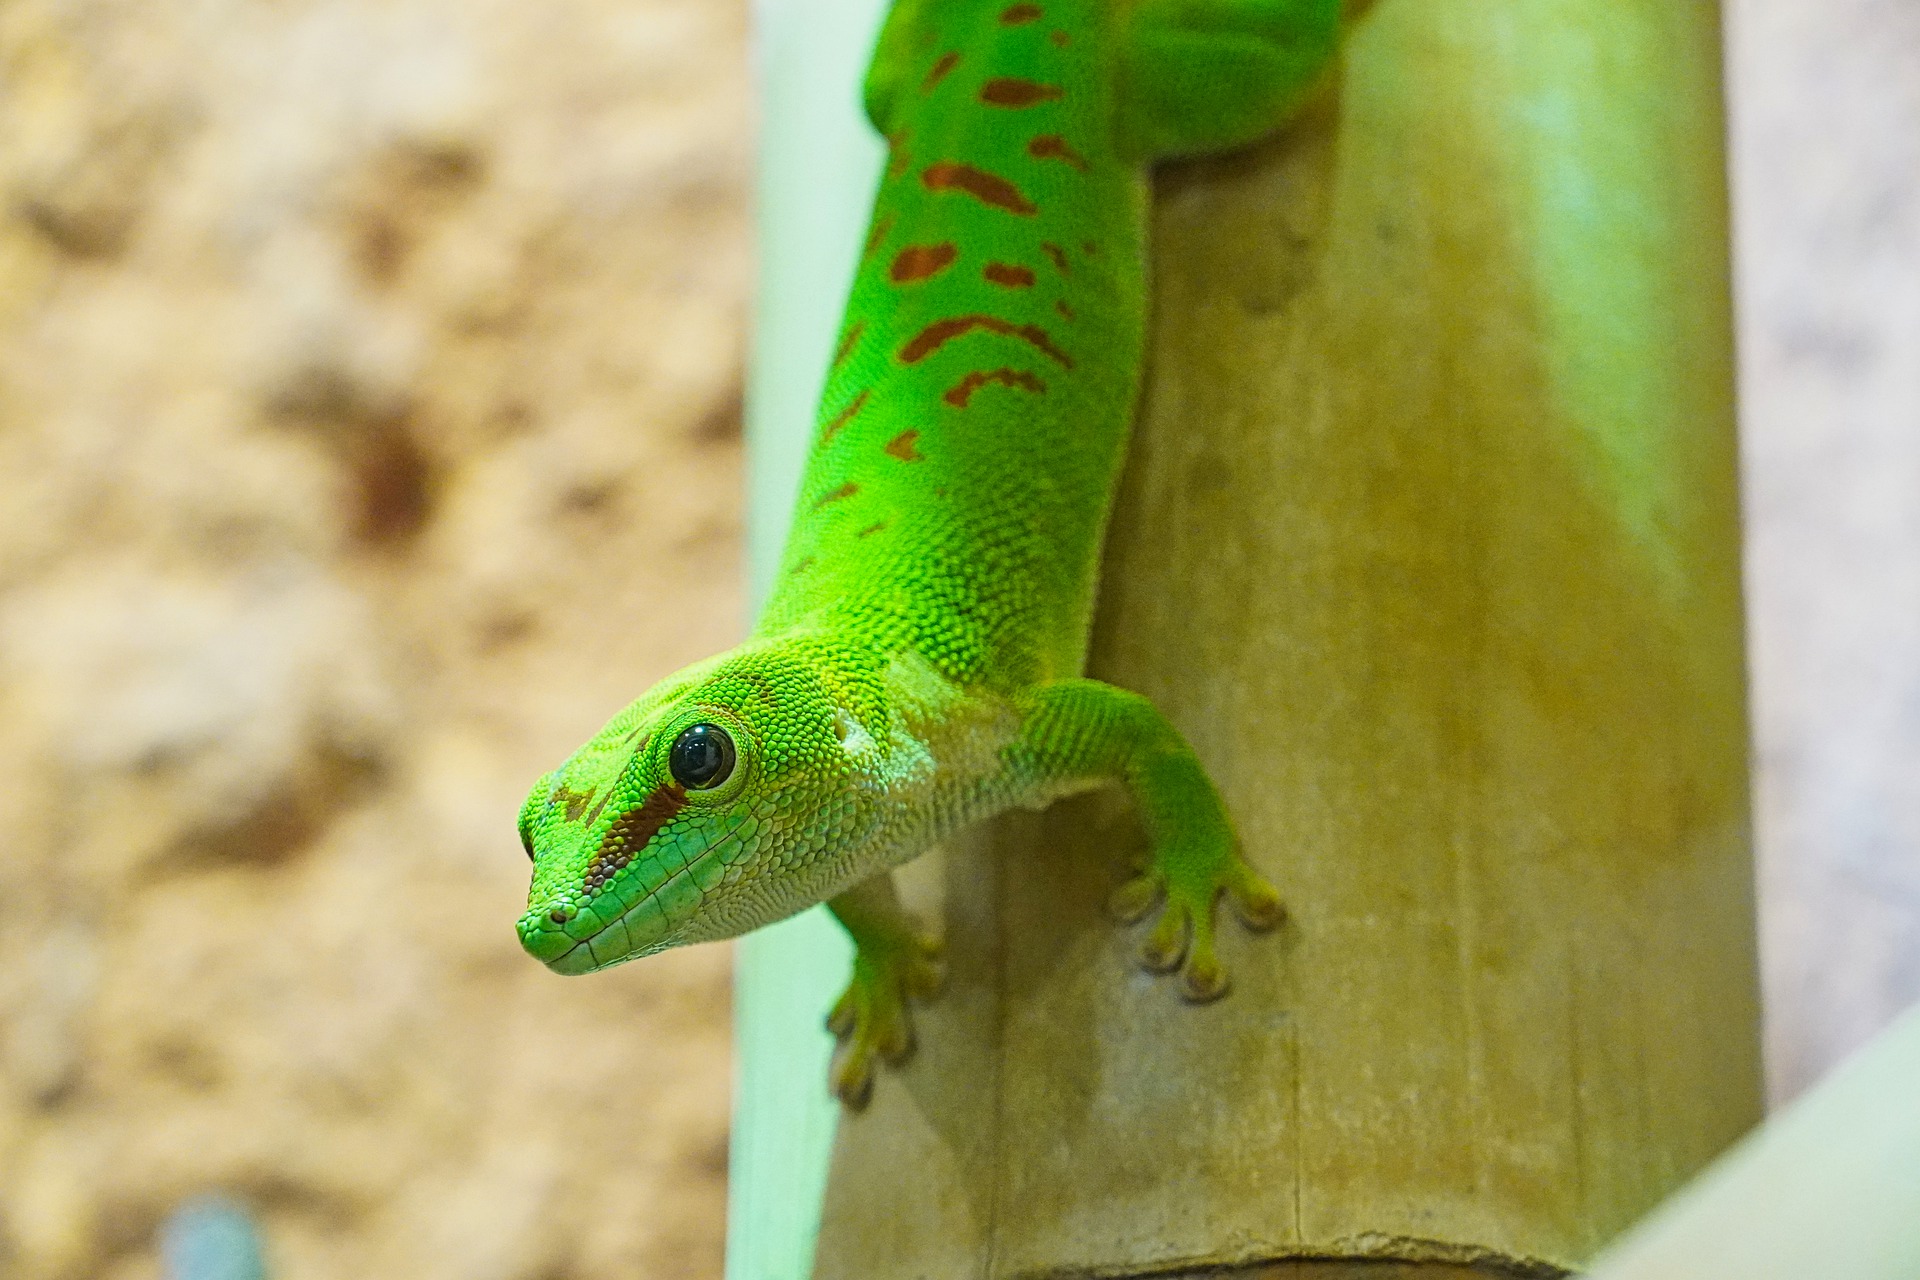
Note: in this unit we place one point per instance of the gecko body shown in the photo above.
(918, 664)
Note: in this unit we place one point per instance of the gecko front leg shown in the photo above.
(1084, 730)
(893, 962)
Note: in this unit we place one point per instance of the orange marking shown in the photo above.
(632, 830)
(593, 815)
(1066, 312)
(846, 490)
(844, 417)
(1059, 257)
(1089, 248)
(1051, 146)
(1019, 14)
(901, 447)
(1059, 39)
(881, 227)
(575, 802)
(871, 529)
(948, 61)
(806, 563)
(961, 392)
(984, 186)
(899, 159)
(941, 332)
(1008, 91)
(1009, 276)
(848, 342)
(919, 261)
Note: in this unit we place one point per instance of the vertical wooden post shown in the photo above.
(1429, 541)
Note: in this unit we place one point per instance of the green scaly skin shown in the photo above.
(918, 665)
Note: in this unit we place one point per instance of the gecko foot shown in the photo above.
(1182, 938)
(872, 1017)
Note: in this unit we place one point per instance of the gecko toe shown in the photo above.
(1202, 979)
(852, 1075)
(844, 1016)
(1256, 902)
(1131, 901)
(873, 1018)
(1166, 946)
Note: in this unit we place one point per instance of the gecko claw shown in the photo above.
(1130, 903)
(1182, 938)
(1166, 946)
(873, 1017)
(851, 1076)
(1256, 902)
(1203, 980)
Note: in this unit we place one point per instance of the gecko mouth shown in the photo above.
(651, 923)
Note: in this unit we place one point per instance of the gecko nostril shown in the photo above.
(557, 915)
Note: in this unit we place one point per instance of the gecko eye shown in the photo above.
(702, 757)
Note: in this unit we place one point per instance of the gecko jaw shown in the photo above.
(643, 927)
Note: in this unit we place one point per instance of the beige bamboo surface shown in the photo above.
(1429, 542)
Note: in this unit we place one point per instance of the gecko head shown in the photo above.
(714, 804)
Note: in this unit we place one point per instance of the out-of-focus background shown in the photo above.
(1825, 123)
(369, 431)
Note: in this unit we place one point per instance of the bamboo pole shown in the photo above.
(1429, 541)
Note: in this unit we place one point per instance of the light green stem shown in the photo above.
(819, 160)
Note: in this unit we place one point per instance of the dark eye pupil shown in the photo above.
(702, 756)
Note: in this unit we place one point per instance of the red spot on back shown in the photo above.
(871, 529)
(1019, 14)
(899, 159)
(1089, 248)
(1058, 255)
(1066, 312)
(978, 183)
(901, 447)
(845, 416)
(961, 392)
(939, 70)
(847, 343)
(882, 226)
(1059, 39)
(919, 261)
(1010, 91)
(805, 563)
(1051, 146)
(1008, 276)
(846, 490)
(941, 332)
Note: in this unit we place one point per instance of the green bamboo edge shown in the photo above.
(818, 164)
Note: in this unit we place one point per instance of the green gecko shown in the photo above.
(918, 665)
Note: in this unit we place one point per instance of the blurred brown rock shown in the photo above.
(369, 384)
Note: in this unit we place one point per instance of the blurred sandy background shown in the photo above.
(369, 430)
